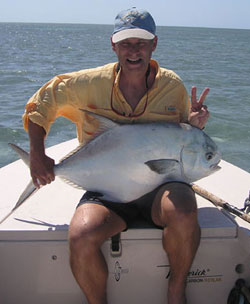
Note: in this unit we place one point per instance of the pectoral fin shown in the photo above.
(163, 166)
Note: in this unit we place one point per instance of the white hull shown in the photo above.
(34, 257)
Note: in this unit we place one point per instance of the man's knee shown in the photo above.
(175, 202)
(92, 224)
(178, 196)
(85, 227)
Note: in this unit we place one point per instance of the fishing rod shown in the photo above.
(218, 202)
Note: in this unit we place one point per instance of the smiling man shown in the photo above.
(134, 89)
(134, 56)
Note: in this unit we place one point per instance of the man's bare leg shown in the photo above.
(91, 225)
(175, 209)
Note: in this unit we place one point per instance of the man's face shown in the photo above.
(134, 54)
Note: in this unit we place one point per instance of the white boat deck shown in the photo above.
(34, 250)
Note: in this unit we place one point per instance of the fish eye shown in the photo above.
(209, 156)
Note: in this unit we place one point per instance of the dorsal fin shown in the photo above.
(70, 153)
(104, 122)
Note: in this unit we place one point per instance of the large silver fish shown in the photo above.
(125, 161)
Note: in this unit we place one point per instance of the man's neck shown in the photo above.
(135, 85)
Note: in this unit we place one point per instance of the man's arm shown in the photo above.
(41, 166)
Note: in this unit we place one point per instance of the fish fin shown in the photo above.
(70, 153)
(163, 166)
(22, 154)
(104, 122)
(69, 182)
(28, 191)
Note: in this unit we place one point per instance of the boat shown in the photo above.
(34, 254)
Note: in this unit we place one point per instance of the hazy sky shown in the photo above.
(198, 13)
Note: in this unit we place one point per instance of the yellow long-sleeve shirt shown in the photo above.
(97, 90)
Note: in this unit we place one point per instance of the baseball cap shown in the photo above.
(133, 23)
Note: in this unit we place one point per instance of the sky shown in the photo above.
(194, 13)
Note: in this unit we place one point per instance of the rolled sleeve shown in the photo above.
(43, 107)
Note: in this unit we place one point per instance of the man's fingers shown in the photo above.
(36, 182)
(203, 96)
(39, 181)
(197, 105)
(193, 95)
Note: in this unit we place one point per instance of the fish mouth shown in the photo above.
(215, 167)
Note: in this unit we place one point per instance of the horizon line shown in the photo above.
(108, 24)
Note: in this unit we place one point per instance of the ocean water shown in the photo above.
(31, 54)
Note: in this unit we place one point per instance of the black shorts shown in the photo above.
(129, 212)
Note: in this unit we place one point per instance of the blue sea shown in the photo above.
(31, 54)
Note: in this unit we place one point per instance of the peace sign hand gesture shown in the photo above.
(199, 114)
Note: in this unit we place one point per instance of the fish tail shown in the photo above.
(22, 154)
(29, 190)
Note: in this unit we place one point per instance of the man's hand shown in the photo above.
(199, 113)
(41, 169)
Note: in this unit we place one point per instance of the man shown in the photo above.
(135, 89)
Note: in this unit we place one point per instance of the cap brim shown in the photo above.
(132, 33)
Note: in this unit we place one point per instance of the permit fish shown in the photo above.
(125, 161)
